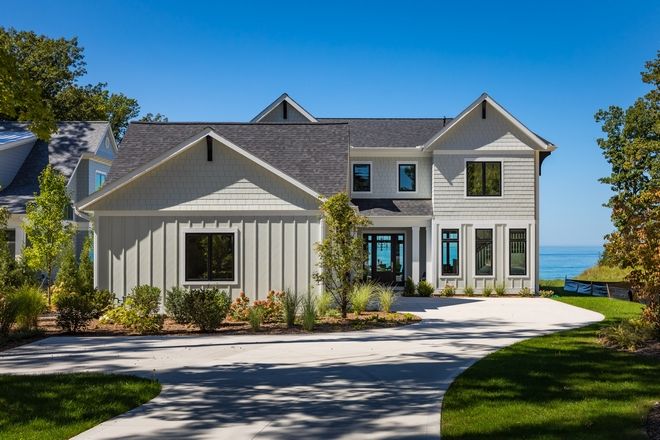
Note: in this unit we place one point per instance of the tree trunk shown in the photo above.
(50, 275)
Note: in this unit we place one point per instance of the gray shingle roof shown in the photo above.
(378, 207)
(62, 151)
(390, 132)
(314, 154)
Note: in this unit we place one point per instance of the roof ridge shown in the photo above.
(308, 124)
(392, 119)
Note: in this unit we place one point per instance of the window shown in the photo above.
(209, 256)
(407, 177)
(517, 251)
(450, 251)
(484, 179)
(10, 236)
(99, 180)
(483, 252)
(361, 177)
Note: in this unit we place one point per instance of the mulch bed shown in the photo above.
(653, 422)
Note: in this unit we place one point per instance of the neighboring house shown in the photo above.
(82, 151)
(235, 205)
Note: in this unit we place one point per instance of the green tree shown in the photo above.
(45, 225)
(5, 255)
(341, 252)
(67, 275)
(632, 147)
(150, 117)
(86, 266)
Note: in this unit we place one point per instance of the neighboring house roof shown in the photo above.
(315, 155)
(63, 152)
(390, 132)
(386, 207)
(7, 137)
(284, 97)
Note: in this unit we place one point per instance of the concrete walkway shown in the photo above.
(372, 384)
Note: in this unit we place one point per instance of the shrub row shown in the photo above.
(423, 288)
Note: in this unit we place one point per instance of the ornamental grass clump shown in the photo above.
(324, 303)
(8, 313)
(409, 287)
(469, 290)
(290, 305)
(255, 318)
(487, 290)
(547, 293)
(30, 303)
(526, 292)
(629, 334)
(424, 288)
(309, 312)
(386, 298)
(500, 289)
(448, 291)
(360, 297)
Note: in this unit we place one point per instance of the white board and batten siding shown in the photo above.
(139, 226)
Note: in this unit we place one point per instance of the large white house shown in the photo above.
(235, 205)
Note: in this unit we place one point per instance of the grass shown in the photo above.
(603, 273)
(564, 385)
(59, 406)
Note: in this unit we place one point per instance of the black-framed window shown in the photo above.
(517, 251)
(361, 177)
(209, 256)
(450, 250)
(483, 256)
(407, 177)
(10, 238)
(484, 179)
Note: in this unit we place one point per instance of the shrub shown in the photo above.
(240, 308)
(309, 312)
(272, 306)
(207, 308)
(409, 287)
(139, 311)
(360, 297)
(86, 266)
(546, 293)
(324, 303)
(333, 313)
(487, 290)
(67, 275)
(386, 299)
(255, 317)
(424, 288)
(469, 290)
(74, 310)
(448, 290)
(629, 334)
(8, 312)
(176, 305)
(500, 289)
(290, 305)
(102, 301)
(525, 292)
(30, 303)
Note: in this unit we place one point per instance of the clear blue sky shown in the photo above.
(552, 64)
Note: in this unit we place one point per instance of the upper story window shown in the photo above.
(210, 256)
(10, 237)
(99, 180)
(407, 177)
(361, 177)
(484, 179)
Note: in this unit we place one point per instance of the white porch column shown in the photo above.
(415, 254)
(431, 253)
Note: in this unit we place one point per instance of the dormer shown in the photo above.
(284, 109)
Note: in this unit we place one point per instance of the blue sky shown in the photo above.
(552, 64)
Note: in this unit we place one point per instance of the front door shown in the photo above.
(385, 258)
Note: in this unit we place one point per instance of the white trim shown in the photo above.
(98, 159)
(494, 252)
(186, 229)
(388, 152)
(461, 250)
(398, 177)
(516, 123)
(485, 152)
(96, 256)
(17, 143)
(507, 250)
(284, 97)
(414, 248)
(371, 176)
(465, 180)
(177, 150)
(209, 213)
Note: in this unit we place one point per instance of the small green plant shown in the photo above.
(240, 308)
(409, 287)
(8, 313)
(324, 303)
(629, 334)
(448, 290)
(487, 290)
(255, 318)
(74, 310)
(424, 288)
(309, 312)
(290, 304)
(207, 308)
(386, 298)
(333, 313)
(525, 292)
(360, 297)
(30, 303)
(469, 290)
(139, 311)
(409, 317)
(176, 306)
(546, 293)
(500, 289)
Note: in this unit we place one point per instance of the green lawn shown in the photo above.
(558, 386)
(60, 406)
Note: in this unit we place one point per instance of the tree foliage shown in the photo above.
(38, 82)
(631, 146)
(341, 253)
(150, 117)
(5, 255)
(45, 225)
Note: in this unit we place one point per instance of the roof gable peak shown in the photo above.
(284, 101)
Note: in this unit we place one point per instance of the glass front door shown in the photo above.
(385, 258)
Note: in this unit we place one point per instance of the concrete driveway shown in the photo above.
(373, 384)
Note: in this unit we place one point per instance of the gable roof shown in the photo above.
(390, 132)
(538, 141)
(63, 152)
(315, 155)
(284, 97)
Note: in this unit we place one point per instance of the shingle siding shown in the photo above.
(385, 177)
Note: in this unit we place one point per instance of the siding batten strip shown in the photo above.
(282, 265)
(295, 255)
(164, 255)
(256, 259)
(268, 263)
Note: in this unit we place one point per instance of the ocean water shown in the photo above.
(567, 261)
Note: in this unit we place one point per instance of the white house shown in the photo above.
(236, 204)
